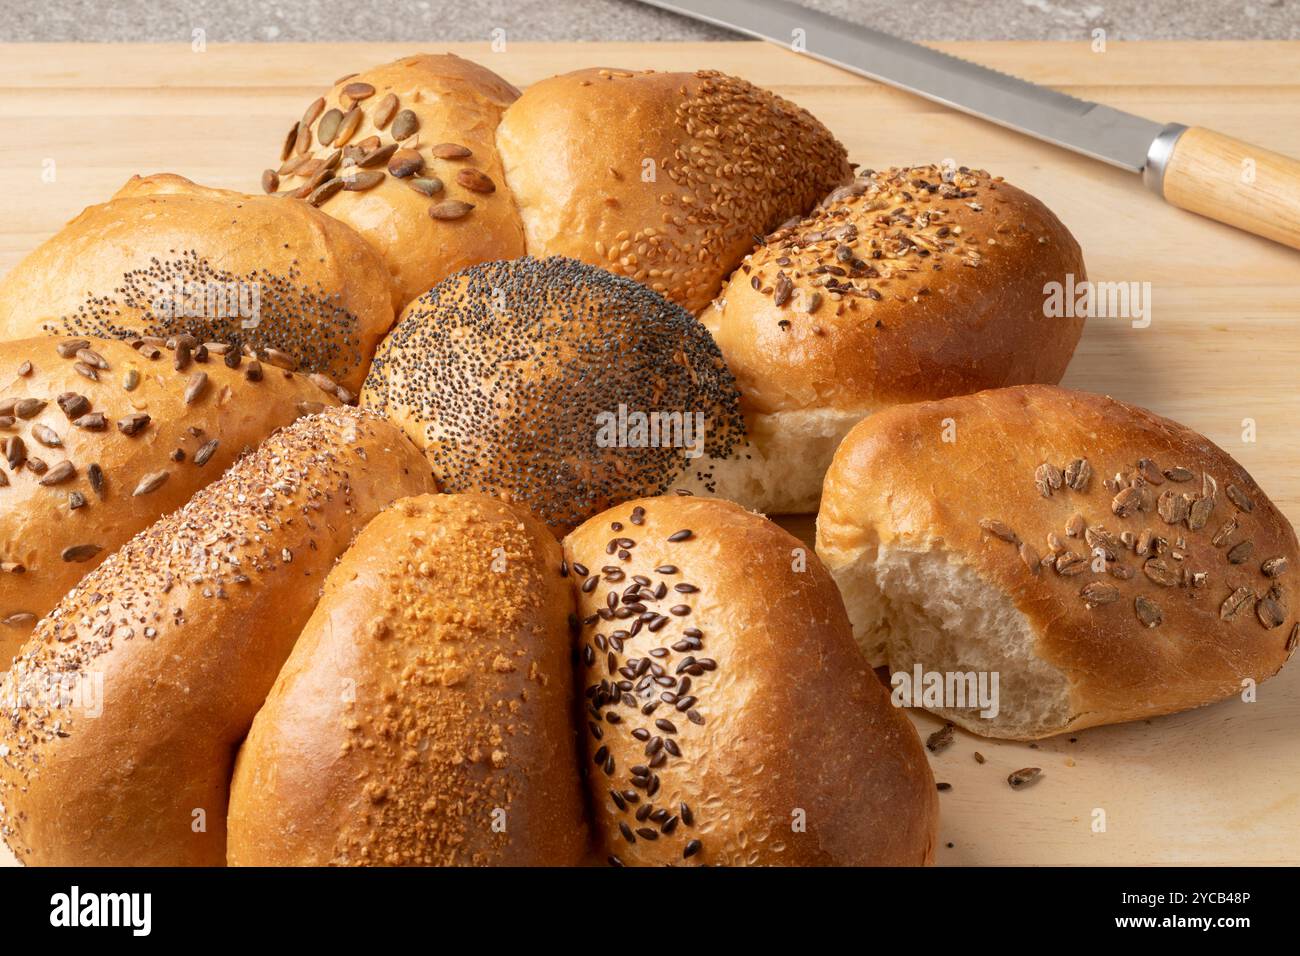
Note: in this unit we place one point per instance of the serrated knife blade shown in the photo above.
(1209, 178)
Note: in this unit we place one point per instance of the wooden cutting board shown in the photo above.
(1216, 785)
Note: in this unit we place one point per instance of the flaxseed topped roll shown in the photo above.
(559, 386)
(405, 153)
(100, 439)
(910, 284)
(1108, 564)
(165, 257)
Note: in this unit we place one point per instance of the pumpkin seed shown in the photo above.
(324, 191)
(362, 180)
(450, 209)
(303, 143)
(428, 186)
(405, 125)
(448, 150)
(358, 91)
(290, 139)
(377, 157)
(329, 126)
(1148, 612)
(313, 110)
(405, 162)
(384, 111)
(476, 181)
(347, 126)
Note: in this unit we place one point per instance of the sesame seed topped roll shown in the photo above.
(728, 717)
(556, 384)
(663, 177)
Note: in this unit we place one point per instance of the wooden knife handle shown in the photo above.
(1236, 183)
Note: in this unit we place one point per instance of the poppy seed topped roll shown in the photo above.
(557, 385)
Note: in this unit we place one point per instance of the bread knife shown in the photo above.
(1194, 168)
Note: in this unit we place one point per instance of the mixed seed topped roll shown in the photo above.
(728, 718)
(560, 386)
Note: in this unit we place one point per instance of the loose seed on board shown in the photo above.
(1024, 777)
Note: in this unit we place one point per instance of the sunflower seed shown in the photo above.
(1150, 471)
(361, 181)
(15, 452)
(37, 466)
(427, 186)
(1128, 502)
(1199, 513)
(1179, 474)
(347, 126)
(1160, 572)
(71, 347)
(476, 181)
(150, 483)
(1240, 498)
(1148, 612)
(195, 388)
(47, 436)
(205, 453)
(60, 473)
(1024, 777)
(29, 408)
(405, 162)
(358, 91)
(80, 553)
(1235, 602)
(998, 529)
(450, 209)
(270, 180)
(96, 475)
(384, 111)
(282, 360)
(132, 424)
(448, 150)
(1077, 474)
(73, 405)
(1047, 478)
(4, 480)
(86, 371)
(1096, 593)
(1240, 552)
(1221, 536)
(329, 126)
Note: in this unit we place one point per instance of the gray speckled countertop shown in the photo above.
(398, 20)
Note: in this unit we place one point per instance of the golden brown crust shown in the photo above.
(788, 750)
(161, 657)
(315, 288)
(910, 284)
(425, 715)
(688, 169)
(89, 461)
(456, 103)
(896, 483)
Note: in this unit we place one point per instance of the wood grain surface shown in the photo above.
(1216, 785)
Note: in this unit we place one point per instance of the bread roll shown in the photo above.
(414, 169)
(126, 706)
(663, 177)
(558, 385)
(730, 720)
(910, 284)
(425, 715)
(1106, 563)
(165, 257)
(100, 439)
